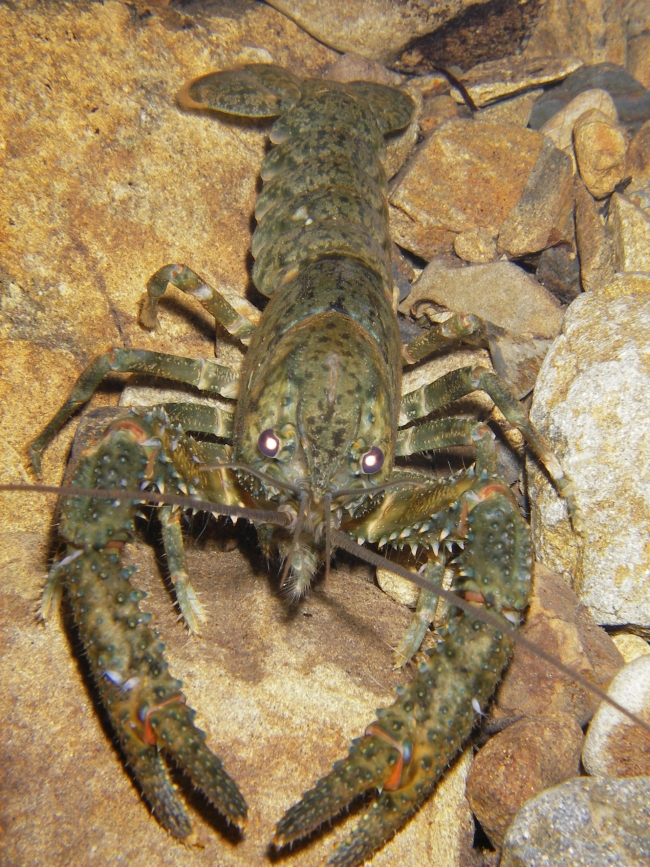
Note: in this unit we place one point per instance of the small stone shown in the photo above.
(496, 79)
(593, 31)
(591, 403)
(558, 624)
(615, 746)
(631, 99)
(630, 228)
(518, 763)
(467, 175)
(515, 110)
(398, 588)
(476, 245)
(600, 149)
(585, 822)
(594, 248)
(558, 270)
(638, 154)
(630, 646)
(535, 221)
(638, 58)
(501, 292)
(438, 109)
(426, 242)
(559, 128)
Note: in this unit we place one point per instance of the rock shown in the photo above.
(379, 32)
(638, 58)
(437, 109)
(600, 822)
(426, 242)
(558, 271)
(515, 110)
(594, 32)
(600, 149)
(476, 246)
(467, 175)
(398, 588)
(497, 79)
(560, 625)
(615, 746)
(591, 403)
(559, 128)
(631, 99)
(630, 228)
(536, 221)
(517, 764)
(500, 292)
(630, 646)
(594, 249)
(353, 67)
(638, 154)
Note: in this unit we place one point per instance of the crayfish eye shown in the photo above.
(373, 460)
(268, 443)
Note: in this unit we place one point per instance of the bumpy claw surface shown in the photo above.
(144, 702)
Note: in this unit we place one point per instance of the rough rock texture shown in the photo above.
(615, 746)
(600, 148)
(518, 763)
(629, 228)
(638, 154)
(591, 401)
(104, 181)
(593, 30)
(638, 58)
(601, 822)
(561, 626)
(559, 128)
(594, 249)
(630, 646)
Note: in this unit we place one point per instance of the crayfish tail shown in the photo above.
(370, 763)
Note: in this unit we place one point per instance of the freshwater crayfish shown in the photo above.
(314, 438)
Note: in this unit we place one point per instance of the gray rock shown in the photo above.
(592, 402)
(594, 249)
(614, 745)
(631, 99)
(638, 58)
(558, 271)
(599, 822)
(559, 128)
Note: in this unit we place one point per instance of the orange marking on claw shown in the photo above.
(138, 432)
(114, 543)
(149, 735)
(474, 596)
(493, 488)
(395, 777)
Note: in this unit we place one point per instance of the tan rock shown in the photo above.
(630, 228)
(591, 402)
(517, 764)
(638, 58)
(600, 149)
(538, 219)
(559, 128)
(497, 79)
(500, 292)
(638, 154)
(467, 175)
(354, 67)
(476, 246)
(614, 745)
(593, 30)
(438, 109)
(515, 110)
(594, 248)
(425, 241)
(630, 646)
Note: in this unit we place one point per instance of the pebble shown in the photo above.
(476, 246)
(592, 402)
(585, 822)
(497, 79)
(538, 219)
(515, 110)
(560, 625)
(559, 128)
(518, 763)
(614, 745)
(600, 148)
(630, 229)
(594, 248)
(558, 270)
(426, 242)
(467, 175)
(594, 31)
(631, 99)
(630, 646)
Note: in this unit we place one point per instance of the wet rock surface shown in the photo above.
(600, 822)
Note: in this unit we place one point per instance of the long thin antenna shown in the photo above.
(343, 541)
